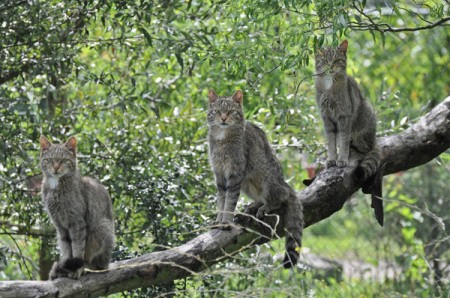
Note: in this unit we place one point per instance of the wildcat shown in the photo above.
(79, 207)
(242, 159)
(349, 122)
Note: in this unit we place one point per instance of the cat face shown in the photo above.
(332, 61)
(225, 112)
(58, 160)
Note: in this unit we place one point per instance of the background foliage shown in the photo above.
(130, 79)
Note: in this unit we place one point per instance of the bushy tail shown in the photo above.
(368, 166)
(293, 224)
(370, 173)
(376, 193)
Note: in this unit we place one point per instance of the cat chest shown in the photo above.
(333, 105)
(227, 162)
(224, 166)
(64, 210)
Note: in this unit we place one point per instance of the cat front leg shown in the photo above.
(344, 136)
(70, 264)
(59, 269)
(220, 197)
(330, 133)
(231, 199)
(64, 242)
(78, 235)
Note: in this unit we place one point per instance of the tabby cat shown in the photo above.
(349, 121)
(79, 207)
(242, 159)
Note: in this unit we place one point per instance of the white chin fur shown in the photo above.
(220, 134)
(53, 182)
(328, 82)
(324, 82)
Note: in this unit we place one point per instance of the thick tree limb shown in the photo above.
(420, 143)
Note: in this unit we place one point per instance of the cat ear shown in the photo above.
(238, 97)
(343, 46)
(212, 96)
(45, 143)
(71, 144)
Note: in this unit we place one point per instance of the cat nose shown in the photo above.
(56, 166)
(223, 117)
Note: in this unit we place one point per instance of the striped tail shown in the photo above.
(293, 224)
(376, 194)
(368, 166)
(370, 174)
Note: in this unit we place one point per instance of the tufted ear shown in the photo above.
(71, 144)
(238, 97)
(45, 143)
(212, 96)
(343, 46)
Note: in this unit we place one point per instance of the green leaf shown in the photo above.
(147, 36)
(180, 61)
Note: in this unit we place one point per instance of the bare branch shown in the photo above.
(383, 27)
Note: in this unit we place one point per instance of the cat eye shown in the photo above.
(66, 160)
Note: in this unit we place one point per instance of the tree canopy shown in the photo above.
(130, 79)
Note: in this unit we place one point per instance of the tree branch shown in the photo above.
(418, 144)
(430, 26)
(383, 27)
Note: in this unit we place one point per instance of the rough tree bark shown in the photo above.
(418, 144)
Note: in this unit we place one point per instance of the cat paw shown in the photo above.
(75, 274)
(67, 269)
(241, 219)
(331, 163)
(342, 163)
(252, 208)
(224, 225)
(73, 264)
(261, 213)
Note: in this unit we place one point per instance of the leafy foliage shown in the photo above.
(129, 78)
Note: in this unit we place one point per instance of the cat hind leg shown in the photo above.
(100, 245)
